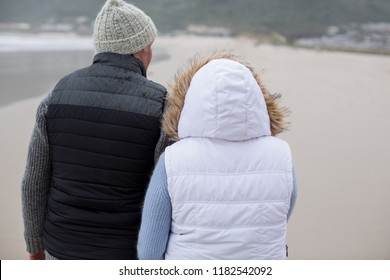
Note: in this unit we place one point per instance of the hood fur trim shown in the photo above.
(178, 90)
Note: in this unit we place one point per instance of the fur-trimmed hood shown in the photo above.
(221, 97)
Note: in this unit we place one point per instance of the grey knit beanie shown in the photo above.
(122, 28)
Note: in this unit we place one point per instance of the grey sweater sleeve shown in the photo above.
(36, 182)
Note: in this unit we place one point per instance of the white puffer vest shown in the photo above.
(230, 182)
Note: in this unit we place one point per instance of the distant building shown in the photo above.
(14, 26)
(209, 31)
(368, 37)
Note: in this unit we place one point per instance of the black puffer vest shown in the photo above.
(103, 123)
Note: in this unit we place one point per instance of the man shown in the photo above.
(93, 147)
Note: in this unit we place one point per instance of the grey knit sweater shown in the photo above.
(37, 179)
(36, 182)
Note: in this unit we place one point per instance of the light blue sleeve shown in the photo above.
(293, 195)
(156, 216)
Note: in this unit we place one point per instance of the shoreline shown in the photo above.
(71, 41)
(79, 57)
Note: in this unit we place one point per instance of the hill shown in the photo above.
(291, 18)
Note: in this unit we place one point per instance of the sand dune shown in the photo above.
(339, 136)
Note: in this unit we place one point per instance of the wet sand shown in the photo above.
(339, 137)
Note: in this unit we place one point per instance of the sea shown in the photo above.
(32, 64)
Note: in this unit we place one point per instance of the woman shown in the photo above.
(224, 190)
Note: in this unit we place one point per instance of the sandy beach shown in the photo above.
(339, 137)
